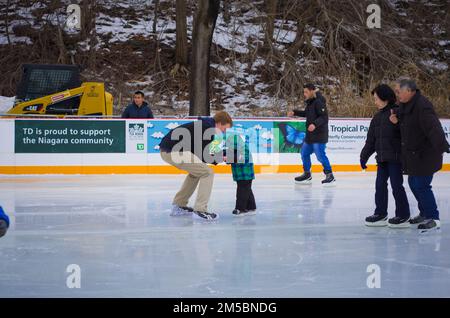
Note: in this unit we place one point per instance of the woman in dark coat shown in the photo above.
(383, 138)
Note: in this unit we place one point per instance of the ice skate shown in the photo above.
(376, 220)
(181, 211)
(305, 178)
(205, 216)
(429, 226)
(237, 212)
(417, 220)
(399, 223)
(329, 180)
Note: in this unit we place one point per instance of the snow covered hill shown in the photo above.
(134, 49)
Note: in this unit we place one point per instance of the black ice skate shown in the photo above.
(376, 220)
(417, 220)
(205, 216)
(329, 179)
(305, 178)
(399, 223)
(429, 225)
(238, 212)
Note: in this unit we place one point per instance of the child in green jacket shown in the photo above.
(239, 156)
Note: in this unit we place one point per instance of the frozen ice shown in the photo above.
(305, 241)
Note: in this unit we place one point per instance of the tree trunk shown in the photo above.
(181, 56)
(62, 58)
(7, 22)
(92, 34)
(204, 24)
(226, 11)
(292, 51)
(155, 18)
(271, 7)
(87, 16)
(157, 60)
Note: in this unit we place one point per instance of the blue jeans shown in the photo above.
(392, 171)
(421, 188)
(319, 151)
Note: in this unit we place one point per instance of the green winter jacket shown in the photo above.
(240, 158)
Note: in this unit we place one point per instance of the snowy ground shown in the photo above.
(306, 241)
(6, 103)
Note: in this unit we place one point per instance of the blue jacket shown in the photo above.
(134, 111)
(4, 217)
(204, 123)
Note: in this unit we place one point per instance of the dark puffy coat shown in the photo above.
(134, 111)
(316, 113)
(196, 144)
(423, 139)
(383, 138)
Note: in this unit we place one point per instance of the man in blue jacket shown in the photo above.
(138, 108)
(4, 222)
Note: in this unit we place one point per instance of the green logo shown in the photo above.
(140, 146)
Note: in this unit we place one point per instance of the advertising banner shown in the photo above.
(136, 136)
(69, 136)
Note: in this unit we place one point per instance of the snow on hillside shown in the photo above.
(6, 103)
(238, 83)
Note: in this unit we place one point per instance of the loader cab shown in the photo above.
(44, 80)
(57, 90)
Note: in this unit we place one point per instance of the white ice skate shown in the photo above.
(181, 211)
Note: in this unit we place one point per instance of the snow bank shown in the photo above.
(6, 103)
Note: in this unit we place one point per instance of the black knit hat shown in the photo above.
(385, 93)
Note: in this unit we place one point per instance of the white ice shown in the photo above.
(305, 241)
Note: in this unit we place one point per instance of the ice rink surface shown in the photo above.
(305, 241)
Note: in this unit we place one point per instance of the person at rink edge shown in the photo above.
(316, 134)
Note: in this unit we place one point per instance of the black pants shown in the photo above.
(245, 200)
(392, 171)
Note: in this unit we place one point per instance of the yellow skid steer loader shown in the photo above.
(57, 90)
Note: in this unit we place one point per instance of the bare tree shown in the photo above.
(62, 58)
(271, 7)
(204, 24)
(226, 4)
(181, 49)
(92, 35)
(87, 18)
(7, 21)
(157, 62)
(155, 17)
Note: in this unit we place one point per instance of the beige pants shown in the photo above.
(199, 173)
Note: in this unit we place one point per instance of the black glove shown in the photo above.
(363, 164)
